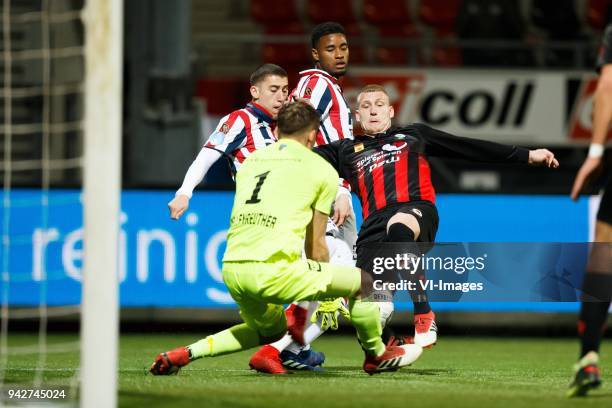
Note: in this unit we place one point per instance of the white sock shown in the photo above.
(282, 344)
(313, 332)
(287, 340)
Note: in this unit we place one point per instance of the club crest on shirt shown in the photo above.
(390, 147)
(358, 147)
(308, 92)
(225, 128)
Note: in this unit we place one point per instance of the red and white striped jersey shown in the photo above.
(242, 132)
(325, 94)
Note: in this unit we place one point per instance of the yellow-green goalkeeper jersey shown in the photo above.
(277, 189)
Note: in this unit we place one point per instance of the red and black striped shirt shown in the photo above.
(392, 167)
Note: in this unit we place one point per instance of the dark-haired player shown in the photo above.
(263, 266)
(321, 88)
(597, 285)
(240, 133)
(388, 169)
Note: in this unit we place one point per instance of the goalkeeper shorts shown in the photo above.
(261, 288)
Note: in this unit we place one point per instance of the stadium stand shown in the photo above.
(441, 19)
(598, 13)
(494, 19)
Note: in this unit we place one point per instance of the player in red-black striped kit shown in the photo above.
(597, 284)
(389, 171)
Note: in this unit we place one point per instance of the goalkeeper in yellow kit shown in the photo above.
(284, 194)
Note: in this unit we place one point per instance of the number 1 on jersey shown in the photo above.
(254, 197)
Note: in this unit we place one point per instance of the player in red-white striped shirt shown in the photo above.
(240, 133)
(320, 86)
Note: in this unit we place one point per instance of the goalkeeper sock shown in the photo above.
(365, 317)
(236, 338)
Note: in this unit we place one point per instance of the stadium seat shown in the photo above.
(559, 18)
(598, 13)
(222, 95)
(292, 56)
(492, 20)
(319, 11)
(397, 54)
(560, 21)
(384, 12)
(392, 18)
(271, 12)
(439, 14)
(358, 54)
(446, 56)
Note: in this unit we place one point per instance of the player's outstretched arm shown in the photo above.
(442, 144)
(194, 176)
(543, 157)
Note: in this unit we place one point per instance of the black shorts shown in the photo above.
(374, 228)
(605, 206)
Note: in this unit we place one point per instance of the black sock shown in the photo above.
(399, 232)
(597, 289)
(421, 307)
(387, 333)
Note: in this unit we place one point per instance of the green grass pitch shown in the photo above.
(458, 372)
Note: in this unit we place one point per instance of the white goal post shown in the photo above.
(101, 201)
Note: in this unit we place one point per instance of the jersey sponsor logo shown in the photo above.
(391, 147)
(216, 138)
(380, 163)
(417, 212)
(379, 158)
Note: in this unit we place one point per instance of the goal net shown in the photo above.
(61, 70)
